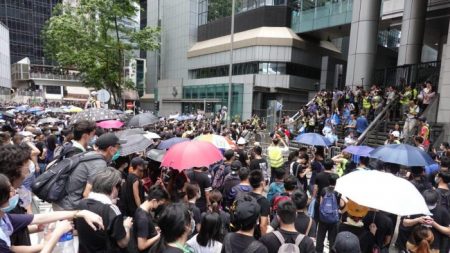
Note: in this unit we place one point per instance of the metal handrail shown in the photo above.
(431, 111)
(297, 114)
(374, 124)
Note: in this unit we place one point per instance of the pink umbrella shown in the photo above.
(191, 154)
(110, 124)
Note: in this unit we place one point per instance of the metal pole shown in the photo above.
(230, 69)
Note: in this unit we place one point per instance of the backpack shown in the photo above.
(218, 176)
(328, 209)
(444, 199)
(289, 247)
(51, 185)
(275, 189)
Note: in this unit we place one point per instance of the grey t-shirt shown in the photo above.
(84, 173)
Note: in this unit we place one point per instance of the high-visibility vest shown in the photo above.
(275, 155)
(406, 97)
(366, 103)
(414, 93)
(413, 110)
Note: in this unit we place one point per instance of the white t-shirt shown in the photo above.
(216, 247)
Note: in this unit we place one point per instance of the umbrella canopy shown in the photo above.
(156, 154)
(166, 144)
(135, 143)
(151, 135)
(402, 154)
(55, 110)
(35, 109)
(191, 154)
(48, 121)
(127, 132)
(22, 108)
(7, 114)
(313, 139)
(129, 111)
(217, 140)
(118, 111)
(110, 124)
(74, 109)
(143, 119)
(382, 191)
(358, 150)
(94, 114)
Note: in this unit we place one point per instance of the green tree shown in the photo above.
(92, 38)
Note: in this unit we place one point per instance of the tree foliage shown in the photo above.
(93, 38)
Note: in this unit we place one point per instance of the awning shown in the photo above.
(77, 90)
(148, 97)
(75, 99)
(263, 36)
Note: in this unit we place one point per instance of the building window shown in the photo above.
(56, 90)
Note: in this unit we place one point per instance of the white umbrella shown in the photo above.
(151, 135)
(382, 191)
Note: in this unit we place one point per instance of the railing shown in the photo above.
(376, 122)
(68, 77)
(427, 71)
(431, 111)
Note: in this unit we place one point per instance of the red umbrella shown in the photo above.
(110, 124)
(191, 154)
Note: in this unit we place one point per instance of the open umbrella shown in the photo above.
(143, 119)
(358, 150)
(166, 144)
(35, 109)
(402, 154)
(8, 114)
(110, 124)
(55, 110)
(127, 132)
(312, 139)
(191, 154)
(22, 108)
(217, 140)
(382, 191)
(94, 114)
(151, 135)
(47, 121)
(156, 154)
(74, 109)
(135, 143)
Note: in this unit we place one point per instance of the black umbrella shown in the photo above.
(48, 121)
(142, 120)
(94, 114)
(127, 132)
(135, 143)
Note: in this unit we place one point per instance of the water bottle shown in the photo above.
(65, 244)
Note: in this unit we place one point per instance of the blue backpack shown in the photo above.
(328, 209)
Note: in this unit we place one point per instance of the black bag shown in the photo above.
(51, 185)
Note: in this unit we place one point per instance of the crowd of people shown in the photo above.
(254, 200)
(353, 109)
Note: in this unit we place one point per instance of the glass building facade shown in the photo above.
(217, 92)
(25, 20)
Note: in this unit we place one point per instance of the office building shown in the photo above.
(5, 66)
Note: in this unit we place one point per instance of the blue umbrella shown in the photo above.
(21, 108)
(35, 110)
(313, 139)
(166, 144)
(358, 150)
(402, 154)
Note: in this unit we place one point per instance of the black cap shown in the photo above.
(108, 140)
(346, 242)
(137, 161)
(247, 212)
(236, 165)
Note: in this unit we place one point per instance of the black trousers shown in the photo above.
(322, 230)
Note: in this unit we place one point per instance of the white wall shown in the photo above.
(5, 59)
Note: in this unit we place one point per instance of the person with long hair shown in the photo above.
(421, 239)
(215, 198)
(175, 224)
(210, 234)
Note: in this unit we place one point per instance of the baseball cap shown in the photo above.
(396, 134)
(138, 161)
(241, 141)
(346, 242)
(108, 140)
(247, 212)
(356, 210)
(235, 165)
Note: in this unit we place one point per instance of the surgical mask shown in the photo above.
(116, 155)
(12, 203)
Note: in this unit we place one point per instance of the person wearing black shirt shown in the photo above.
(245, 218)
(132, 191)
(199, 177)
(385, 228)
(175, 224)
(439, 222)
(417, 178)
(242, 154)
(286, 213)
(354, 225)
(322, 180)
(303, 223)
(230, 181)
(144, 229)
(260, 163)
(192, 194)
(116, 235)
(257, 182)
(316, 168)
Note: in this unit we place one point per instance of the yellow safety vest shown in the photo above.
(366, 103)
(406, 97)
(275, 156)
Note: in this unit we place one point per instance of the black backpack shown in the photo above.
(51, 185)
(444, 198)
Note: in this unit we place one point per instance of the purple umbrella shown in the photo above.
(358, 150)
(166, 144)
